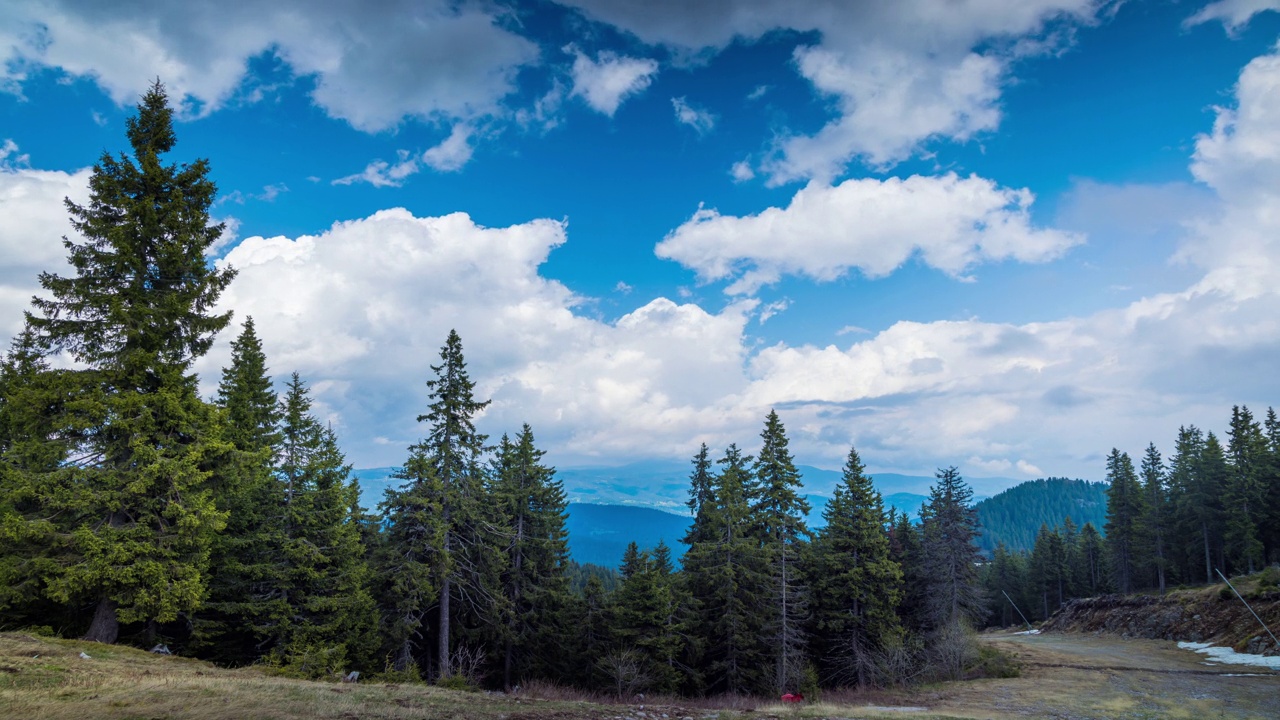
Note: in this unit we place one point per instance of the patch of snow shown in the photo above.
(898, 708)
(1028, 632)
(1227, 656)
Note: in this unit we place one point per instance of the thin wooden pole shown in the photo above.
(1255, 615)
(1015, 607)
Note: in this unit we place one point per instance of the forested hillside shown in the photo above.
(1014, 516)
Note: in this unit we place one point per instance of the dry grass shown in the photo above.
(42, 679)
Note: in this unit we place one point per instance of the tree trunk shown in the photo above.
(105, 628)
(1208, 565)
(442, 656)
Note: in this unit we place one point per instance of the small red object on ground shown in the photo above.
(793, 697)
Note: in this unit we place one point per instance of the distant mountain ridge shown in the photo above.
(645, 503)
(1014, 516)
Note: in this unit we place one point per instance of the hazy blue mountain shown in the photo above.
(645, 502)
(599, 534)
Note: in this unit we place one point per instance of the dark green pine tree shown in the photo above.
(331, 618)
(1156, 517)
(701, 497)
(1125, 508)
(1048, 571)
(133, 502)
(1271, 523)
(855, 585)
(646, 619)
(1004, 579)
(245, 564)
(949, 527)
(471, 555)
(905, 550)
(779, 512)
(1092, 563)
(1197, 474)
(1245, 493)
(411, 559)
(728, 579)
(535, 584)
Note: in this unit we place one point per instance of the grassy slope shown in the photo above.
(46, 679)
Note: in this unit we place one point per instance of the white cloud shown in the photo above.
(900, 73)
(772, 309)
(605, 82)
(381, 173)
(35, 222)
(949, 222)
(361, 309)
(373, 65)
(741, 171)
(1234, 14)
(758, 92)
(696, 118)
(453, 152)
(623, 288)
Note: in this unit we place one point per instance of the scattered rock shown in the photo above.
(85, 655)
(161, 650)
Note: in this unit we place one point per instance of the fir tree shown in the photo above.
(950, 556)
(1245, 492)
(330, 617)
(133, 503)
(729, 583)
(535, 583)
(245, 564)
(1155, 516)
(779, 512)
(453, 450)
(856, 586)
(1092, 568)
(1125, 507)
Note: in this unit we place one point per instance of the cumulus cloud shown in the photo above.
(373, 66)
(361, 309)
(609, 79)
(741, 171)
(949, 222)
(900, 73)
(696, 118)
(35, 222)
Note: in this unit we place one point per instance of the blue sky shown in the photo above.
(1006, 236)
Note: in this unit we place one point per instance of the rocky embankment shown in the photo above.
(1210, 614)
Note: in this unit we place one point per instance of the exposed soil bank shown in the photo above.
(1211, 614)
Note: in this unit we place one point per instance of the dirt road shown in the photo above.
(1079, 676)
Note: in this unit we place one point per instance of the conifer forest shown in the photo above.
(230, 529)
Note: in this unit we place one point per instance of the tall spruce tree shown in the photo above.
(856, 587)
(535, 584)
(135, 512)
(245, 564)
(1245, 493)
(728, 579)
(410, 560)
(1125, 509)
(1271, 521)
(1155, 516)
(949, 527)
(454, 450)
(779, 512)
(330, 617)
